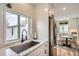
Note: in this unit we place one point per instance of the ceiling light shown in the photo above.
(64, 8)
(51, 13)
(46, 9)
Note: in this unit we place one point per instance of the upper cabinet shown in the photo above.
(72, 24)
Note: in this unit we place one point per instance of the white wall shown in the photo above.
(1, 25)
(41, 16)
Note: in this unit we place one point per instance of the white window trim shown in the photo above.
(4, 22)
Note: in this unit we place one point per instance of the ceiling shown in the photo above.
(36, 4)
(71, 10)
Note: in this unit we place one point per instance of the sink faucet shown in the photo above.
(24, 30)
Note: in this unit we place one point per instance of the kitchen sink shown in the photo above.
(21, 47)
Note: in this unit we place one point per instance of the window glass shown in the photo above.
(63, 28)
(14, 26)
(23, 25)
(11, 26)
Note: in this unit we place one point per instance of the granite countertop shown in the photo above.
(6, 51)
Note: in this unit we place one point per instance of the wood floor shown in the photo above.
(59, 51)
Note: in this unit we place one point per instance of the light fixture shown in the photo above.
(9, 5)
(50, 13)
(64, 8)
(46, 9)
(73, 31)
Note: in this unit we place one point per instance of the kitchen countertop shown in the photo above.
(6, 51)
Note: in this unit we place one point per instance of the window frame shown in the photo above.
(6, 26)
(63, 28)
(18, 22)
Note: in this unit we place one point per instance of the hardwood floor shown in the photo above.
(64, 51)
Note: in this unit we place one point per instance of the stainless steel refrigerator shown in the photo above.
(52, 35)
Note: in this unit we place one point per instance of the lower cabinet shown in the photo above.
(40, 51)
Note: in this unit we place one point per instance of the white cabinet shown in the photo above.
(72, 23)
(40, 51)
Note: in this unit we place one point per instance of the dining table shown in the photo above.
(67, 39)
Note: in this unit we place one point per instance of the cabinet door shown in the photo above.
(44, 52)
(40, 51)
(72, 23)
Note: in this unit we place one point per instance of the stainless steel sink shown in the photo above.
(20, 48)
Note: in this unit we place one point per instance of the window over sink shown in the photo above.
(14, 24)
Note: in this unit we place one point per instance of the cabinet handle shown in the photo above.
(45, 45)
(45, 51)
